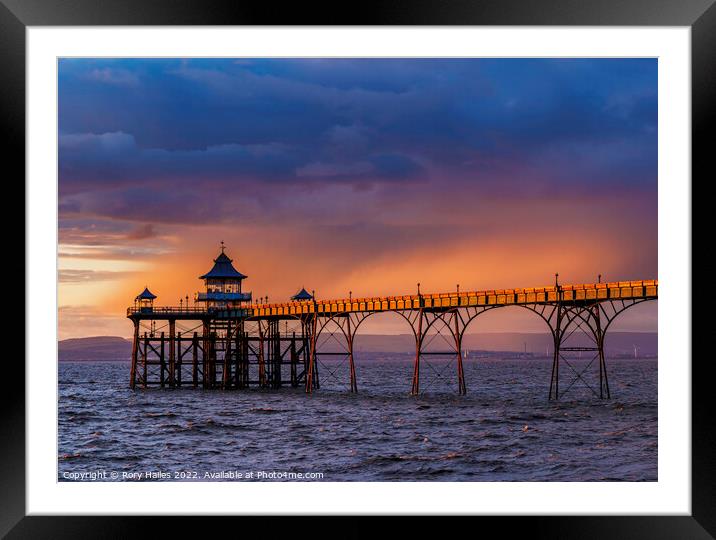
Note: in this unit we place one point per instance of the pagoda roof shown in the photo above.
(145, 295)
(303, 294)
(223, 269)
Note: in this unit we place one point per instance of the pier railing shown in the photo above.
(187, 312)
(494, 297)
(551, 294)
(161, 310)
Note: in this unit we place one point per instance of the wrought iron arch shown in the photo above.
(466, 323)
(617, 312)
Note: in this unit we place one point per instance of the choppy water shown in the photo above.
(503, 430)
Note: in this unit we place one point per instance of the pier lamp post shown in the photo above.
(599, 278)
(181, 304)
(458, 288)
(350, 296)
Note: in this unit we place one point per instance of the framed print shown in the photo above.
(407, 264)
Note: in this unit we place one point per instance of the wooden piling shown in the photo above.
(172, 352)
(294, 362)
(195, 360)
(261, 360)
(226, 370)
(162, 361)
(135, 349)
(205, 355)
(144, 360)
(238, 354)
(276, 357)
(312, 371)
(212, 359)
(180, 358)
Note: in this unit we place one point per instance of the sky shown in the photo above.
(362, 175)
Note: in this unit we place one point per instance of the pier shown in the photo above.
(234, 342)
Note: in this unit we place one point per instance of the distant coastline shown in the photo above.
(618, 344)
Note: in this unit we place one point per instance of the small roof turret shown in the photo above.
(303, 294)
(223, 268)
(145, 295)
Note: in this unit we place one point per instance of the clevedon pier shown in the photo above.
(228, 340)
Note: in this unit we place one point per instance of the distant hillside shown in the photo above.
(102, 348)
(109, 348)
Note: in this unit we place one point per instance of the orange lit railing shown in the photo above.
(177, 310)
(565, 293)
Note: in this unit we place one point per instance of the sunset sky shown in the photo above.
(367, 175)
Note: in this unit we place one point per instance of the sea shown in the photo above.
(504, 429)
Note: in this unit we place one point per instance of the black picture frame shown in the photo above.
(699, 15)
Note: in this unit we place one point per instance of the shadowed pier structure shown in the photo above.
(228, 342)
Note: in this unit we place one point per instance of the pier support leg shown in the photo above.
(351, 363)
(226, 369)
(238, 354)
(268, 355)
(261, 359)
(554, 381)
(461, 386)
(162, 360)
(566, 323)
(557, 340)
(243, 360)
(179, 360)
(305, 353)
(599, 335)
(212, 359)
(294, 362)
(195, 360)
(205, 355)
(135, 350)
(415, 389)
(276, 359)
(603, 379)
(172, 352)
(314, 372)
(311, 370)
(144, 360)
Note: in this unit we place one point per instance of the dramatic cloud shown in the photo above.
(84, 276)
(355, 173)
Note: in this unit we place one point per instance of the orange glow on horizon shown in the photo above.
(275, 268)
